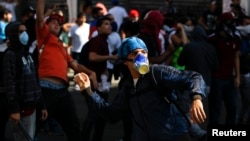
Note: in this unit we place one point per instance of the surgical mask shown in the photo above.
(141, 64)
(188, 28)
(24, 38)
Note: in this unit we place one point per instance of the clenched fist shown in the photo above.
(82, 80)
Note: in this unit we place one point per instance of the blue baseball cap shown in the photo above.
(129, 45)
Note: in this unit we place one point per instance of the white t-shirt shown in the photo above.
(119, 14)
(162, 40)
(114, 42)
(79, 35)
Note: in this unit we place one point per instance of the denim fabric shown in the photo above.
(223, 91)
(48, 84)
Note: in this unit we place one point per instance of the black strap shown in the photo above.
(167, 99)
(26, 135)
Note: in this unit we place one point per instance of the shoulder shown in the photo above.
(10, 55)
(74, 26)
(114, 36)
(158, 67)
(87, 25)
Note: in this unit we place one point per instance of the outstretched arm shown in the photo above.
(83, 81)
(40, 13)
(81, 68)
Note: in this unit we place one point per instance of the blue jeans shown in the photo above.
(244, 117)
(223, 91)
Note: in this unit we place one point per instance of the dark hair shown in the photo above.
(114, 26)
(131, 28)
(80, 15)
(28, 10)
(96, 10)
(12, 34)
(115, 2)
(100, 21)
(12, 29)
(87, 4)
(4, 11)
(184, 19)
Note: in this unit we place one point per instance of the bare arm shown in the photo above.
(237, 69)
(100, 58)
(163, 57)
(40, 13)
(66, 27)
(80, 68)
(184, 38)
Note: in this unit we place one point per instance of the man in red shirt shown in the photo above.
(54, 62)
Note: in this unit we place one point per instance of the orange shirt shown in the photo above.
(54, 60)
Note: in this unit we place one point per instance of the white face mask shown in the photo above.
(24, 38)
(188, 28)
(244, 30)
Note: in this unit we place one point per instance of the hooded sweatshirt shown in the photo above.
(199, 55)
(19, 75)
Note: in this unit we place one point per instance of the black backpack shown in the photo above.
(84, 57)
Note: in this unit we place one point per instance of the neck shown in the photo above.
(134, 73)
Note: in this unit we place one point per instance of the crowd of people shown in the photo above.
(168, 65)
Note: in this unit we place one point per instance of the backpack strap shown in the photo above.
(160, 88)
(156, 83)
(25, 134)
